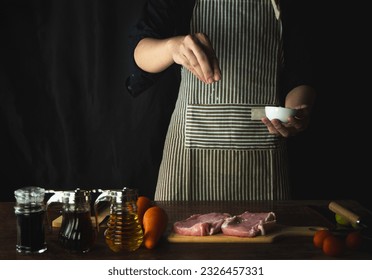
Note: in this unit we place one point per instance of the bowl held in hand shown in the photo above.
(280, 113)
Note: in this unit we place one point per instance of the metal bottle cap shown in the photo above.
(29, 195)
(75, 197)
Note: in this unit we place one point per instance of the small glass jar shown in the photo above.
(30, 213)
(77, 233)
(124, 232)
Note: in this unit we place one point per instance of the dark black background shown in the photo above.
(67, 121)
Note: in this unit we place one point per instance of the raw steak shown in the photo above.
(201, 224)
(249, 224)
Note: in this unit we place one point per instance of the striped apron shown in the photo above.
(216, 149)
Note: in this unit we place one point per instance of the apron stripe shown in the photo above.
(213, 149)
(225, 126)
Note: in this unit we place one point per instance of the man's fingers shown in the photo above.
(200, 57)
(207, 59)
(190, 61)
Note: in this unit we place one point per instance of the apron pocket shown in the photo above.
(226, 126)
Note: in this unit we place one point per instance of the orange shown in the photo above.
(333, 246)
(353, 240)
(319, 237)
(143, 203)
(155, 221)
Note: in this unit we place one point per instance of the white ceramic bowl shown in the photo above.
(280, 113)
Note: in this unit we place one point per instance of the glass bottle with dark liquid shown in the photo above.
(124, 232)
(30, 213)
(77, 233)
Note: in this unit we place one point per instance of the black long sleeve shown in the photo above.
(166, 18)
(297, 44)
(159, 19)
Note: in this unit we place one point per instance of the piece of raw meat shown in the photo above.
(249, 224)
(201, 224)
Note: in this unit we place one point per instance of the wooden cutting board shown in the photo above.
(56, 223)
(280, 231)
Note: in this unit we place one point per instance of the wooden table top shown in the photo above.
(292, 213)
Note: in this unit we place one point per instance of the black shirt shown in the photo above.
(166, 18)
